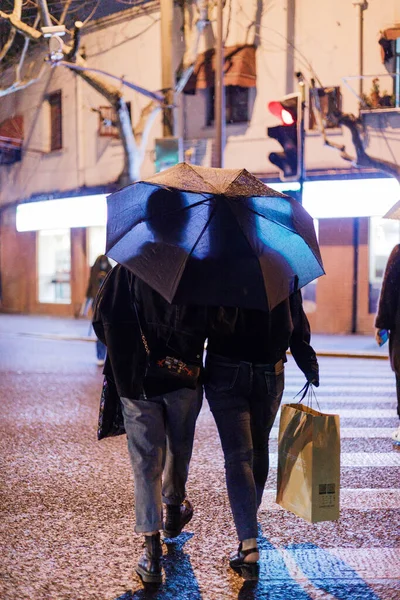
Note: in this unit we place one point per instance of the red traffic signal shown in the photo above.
(285, 115)
(288, 135)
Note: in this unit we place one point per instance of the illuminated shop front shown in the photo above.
(47, 249)
(355, 242)
(58, 241)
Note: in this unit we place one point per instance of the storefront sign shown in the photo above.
(64, 213)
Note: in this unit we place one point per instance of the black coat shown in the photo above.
(388, 315)
(169, 329)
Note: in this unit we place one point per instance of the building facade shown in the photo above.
(52, 198)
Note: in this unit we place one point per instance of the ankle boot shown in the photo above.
(149, 566)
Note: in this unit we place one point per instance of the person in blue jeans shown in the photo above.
(159, 415)
(98, 273)
(244, 384)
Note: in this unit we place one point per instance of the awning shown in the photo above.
(11, 139)
(392, 33)
(239, 68)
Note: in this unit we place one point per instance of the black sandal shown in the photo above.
(248, 570)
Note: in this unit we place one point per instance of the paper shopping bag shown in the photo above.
(309, 463)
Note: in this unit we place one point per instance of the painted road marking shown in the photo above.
(354, 432)
(358, 499)
(359, 459)
(357, 413)
(309, 565)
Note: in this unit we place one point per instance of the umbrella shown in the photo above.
(210, 236)
(393, 212)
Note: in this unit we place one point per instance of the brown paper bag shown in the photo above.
(309, 463)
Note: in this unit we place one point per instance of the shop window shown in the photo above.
(397, 74)
(236, 104)
(384, 234)
(11, 140)
(54, 266)
(330, 100)
(55, 104)
(96, 245)
(309, 291)
(108, 120)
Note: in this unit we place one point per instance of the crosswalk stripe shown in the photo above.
(364, 413)
(358, 499)
(359, 459)
(287, 397)
(335, 563)
(353, 432)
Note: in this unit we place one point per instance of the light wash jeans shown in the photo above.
(160, 433)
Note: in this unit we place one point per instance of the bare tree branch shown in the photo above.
(190, 55)
(64, 12)
(8, 44)
(20, 26)
(363, 159)
(44, 13)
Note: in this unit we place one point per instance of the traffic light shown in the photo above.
(289, 134)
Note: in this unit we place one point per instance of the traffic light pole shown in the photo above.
(302, 173)
(219, 107)
(167, 15)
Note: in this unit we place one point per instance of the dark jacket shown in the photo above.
(98, 273)
(260, 337)
(179, 331)
(388, 315)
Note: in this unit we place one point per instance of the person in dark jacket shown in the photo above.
(244, 383)
(388, 318)
(159, 417)
(97, 275)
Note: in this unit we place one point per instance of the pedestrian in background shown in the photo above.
(98, 273)
(159, 415)
(244, 383)
(387, 320)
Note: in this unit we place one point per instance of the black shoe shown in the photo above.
(149, 566)
(248, 570)
(177, 516)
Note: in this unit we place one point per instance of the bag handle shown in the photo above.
(308, 391)
(145, 344)
(132, 296)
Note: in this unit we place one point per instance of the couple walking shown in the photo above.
(243, 380)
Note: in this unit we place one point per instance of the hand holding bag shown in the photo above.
(309, 462)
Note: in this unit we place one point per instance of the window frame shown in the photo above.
(230, 104)
(396, 77)
(109, 112)
(54, 100)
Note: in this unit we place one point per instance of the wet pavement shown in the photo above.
(67, 499)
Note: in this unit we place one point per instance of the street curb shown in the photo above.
(329, 353)
(352, 354)
(60, 336)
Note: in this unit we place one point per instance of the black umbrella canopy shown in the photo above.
(213, 236)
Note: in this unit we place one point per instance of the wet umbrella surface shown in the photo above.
(213, 236)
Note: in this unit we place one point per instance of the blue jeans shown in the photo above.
(101, 350)
(244, 399)
(160, 433)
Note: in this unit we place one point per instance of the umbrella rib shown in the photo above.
(144, 220)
